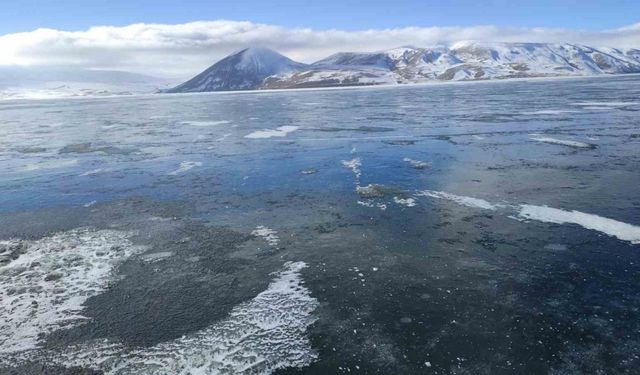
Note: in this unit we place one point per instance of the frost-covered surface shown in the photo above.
(278, 132)
(462, 61)
(268, 234)
(44, 283)
(257, 337)
(454, 277)
(618, 229)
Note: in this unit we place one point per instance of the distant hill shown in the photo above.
(48, 82)
(259, 68)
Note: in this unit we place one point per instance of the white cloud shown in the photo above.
(185, 49)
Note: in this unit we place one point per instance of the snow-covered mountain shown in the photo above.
(265, 69)
(54, 82)
(242, 70)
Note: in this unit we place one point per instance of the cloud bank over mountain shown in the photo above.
(181, 50)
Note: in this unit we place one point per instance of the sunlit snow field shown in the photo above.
(473, 228)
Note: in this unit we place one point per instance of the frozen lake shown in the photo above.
(480, 228)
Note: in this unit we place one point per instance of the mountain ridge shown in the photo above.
(261, 68)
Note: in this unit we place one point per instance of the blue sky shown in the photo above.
(161, 37)
(26, 15)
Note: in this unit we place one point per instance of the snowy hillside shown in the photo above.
(266, 69)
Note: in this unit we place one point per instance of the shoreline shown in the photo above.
(313, 89)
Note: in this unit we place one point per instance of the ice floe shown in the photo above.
(618, 229)
(563, 142)
(44, 283)
(268, 234)
(185, 166)
(259, 336)
(281, 131)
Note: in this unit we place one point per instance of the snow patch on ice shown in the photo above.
(549, 112)
(185, 166)
(526, 212)
(354, 165)
(563, 142)
(44, 283)
(53, 164)
(268, 234)
(91, 172)
(604, 104)
(465, 201)
(372, 204)
(417, 164)
(155, 257)
(204, 123)
(618, 229)
(224, 136)
(408, 202)
(89, 204)
(281, 131)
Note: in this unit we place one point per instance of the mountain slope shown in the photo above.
(459, 62)
(243, 70)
